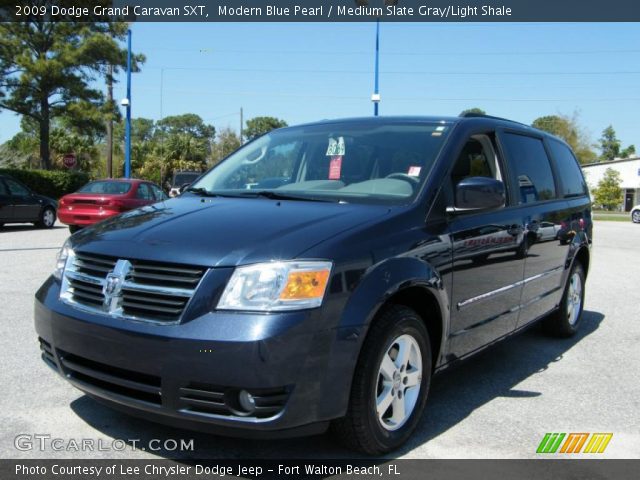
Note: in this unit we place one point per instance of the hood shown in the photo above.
(220, 232)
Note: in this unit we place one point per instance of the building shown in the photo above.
(629, 170)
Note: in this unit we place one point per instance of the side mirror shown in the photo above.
(478, 193)
(184, 187)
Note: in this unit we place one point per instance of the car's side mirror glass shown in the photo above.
(478, 193)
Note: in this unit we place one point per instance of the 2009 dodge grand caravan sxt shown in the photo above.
(321, 274)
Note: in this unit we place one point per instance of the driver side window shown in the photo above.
(477, 159)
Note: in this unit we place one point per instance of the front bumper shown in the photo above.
(189, 375)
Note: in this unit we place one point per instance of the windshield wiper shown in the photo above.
(201, 191)
(282, 196)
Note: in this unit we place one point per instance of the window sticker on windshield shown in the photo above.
(336, 147)
(335, 167)
(414, 171)
(438, 131)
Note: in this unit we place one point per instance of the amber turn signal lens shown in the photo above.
(301, 285)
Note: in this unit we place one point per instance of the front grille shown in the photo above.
(209, 399)
(166, 275)
(126, 383)
(152, 291)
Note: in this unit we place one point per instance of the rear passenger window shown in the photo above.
(531, 166)
(573, 184)
(144, 192)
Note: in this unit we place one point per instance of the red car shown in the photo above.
(105, 198)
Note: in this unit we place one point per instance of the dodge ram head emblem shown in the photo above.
(112, 288)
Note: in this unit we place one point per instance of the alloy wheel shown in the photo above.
(399, 380)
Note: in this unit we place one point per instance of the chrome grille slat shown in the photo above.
(142, 287)
(168, 278)
(131, 296)
(153, 308)
(83, 295)
(133, 289)
(96, 268)
(181, 270)
(96, 259)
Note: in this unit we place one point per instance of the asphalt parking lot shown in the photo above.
(497, 405)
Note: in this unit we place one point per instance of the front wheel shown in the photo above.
(564, 322)
(635, 216)
(390, 384)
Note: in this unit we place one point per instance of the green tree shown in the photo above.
(477, 110)
(226, 142)
(630, 151)
(609, 193)
(260, 125)
(180, 142)
(50, 68)
(188, 123)
(609, 144)
(65, 137)
(568, 129)
(143, 141)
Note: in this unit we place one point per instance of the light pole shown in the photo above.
(127, 103)
(375, 98)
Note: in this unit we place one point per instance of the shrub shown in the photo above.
(52, 183)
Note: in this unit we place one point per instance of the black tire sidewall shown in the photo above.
(565, 326)
(409, 324)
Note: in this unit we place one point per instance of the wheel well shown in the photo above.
(425, 305)
(583, 257)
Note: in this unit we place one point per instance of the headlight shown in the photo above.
(276, 286)
(61, 260)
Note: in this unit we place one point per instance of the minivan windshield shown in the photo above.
(343, 161)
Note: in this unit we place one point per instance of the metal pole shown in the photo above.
(161, 133)
(127, 158)
(376, 86)
(241, 126)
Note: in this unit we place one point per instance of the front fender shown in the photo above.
(383, 280)
(378, 284)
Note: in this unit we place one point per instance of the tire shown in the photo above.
(363, 428)
(635, 216)
(74, 228)
(565, 321)
(47, 218)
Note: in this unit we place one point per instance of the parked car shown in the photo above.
(181, 180)
(18, 204)
(635, 214)
(105, 198)
(333, 297)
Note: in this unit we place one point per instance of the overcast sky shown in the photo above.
(308, 71)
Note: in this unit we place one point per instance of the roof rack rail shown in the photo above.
(483, 115)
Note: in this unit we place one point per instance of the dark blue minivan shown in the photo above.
(321, 274)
